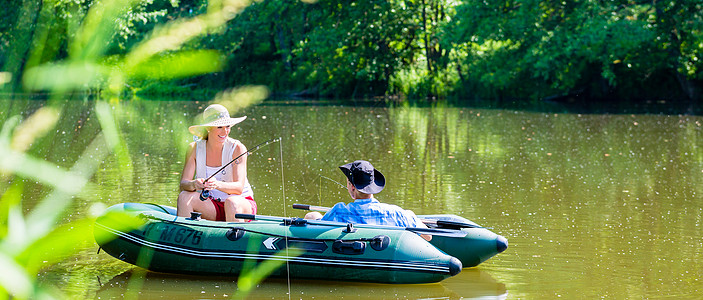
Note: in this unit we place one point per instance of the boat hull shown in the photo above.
(478, 245)
(165, 243)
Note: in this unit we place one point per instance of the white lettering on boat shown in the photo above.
(175, 234)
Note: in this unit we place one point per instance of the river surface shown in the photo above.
(593, 205)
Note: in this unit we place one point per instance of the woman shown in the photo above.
(230, 192)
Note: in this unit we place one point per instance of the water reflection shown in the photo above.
(593, 205)
(471, 283)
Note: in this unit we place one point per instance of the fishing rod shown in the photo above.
(205, 194)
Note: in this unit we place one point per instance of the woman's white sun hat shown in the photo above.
(214, 115)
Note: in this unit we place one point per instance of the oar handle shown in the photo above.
(301, 206)
(245, 216)
(311, 207)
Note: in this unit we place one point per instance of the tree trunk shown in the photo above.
(427, 37)
(283, 46)
(21, 41)
(688, 87)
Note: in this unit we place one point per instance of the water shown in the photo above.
(593, 205)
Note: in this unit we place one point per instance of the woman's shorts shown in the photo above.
(220, 208)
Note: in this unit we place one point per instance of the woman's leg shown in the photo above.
(237, 205)
(190, 201)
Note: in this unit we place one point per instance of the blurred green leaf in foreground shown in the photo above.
(37, 239)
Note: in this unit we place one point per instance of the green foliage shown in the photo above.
(255, 274)
(30, 242)
(494, 50)
(417, 83)
(358, 60)
(68, 47)
(325, 48)
(542, 48)
(468, 49)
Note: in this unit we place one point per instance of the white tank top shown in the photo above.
(224, 175)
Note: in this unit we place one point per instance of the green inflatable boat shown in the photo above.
(163, 242)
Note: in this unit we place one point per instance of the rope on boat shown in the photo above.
(293, 221)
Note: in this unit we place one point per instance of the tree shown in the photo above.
(601, 49)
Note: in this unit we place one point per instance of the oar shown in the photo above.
(299, 221)
(438, 223)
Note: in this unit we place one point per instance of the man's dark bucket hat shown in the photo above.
(364, 177)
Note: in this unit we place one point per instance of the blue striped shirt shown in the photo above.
(370, 211)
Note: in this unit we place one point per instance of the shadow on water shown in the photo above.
(587, 106)
(470, 283)
(580, 106)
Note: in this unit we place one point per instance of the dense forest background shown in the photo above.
(530, 50)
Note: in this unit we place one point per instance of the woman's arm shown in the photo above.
(187, 181)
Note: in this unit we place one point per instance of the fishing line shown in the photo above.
(330, 179)
(283, 191)
(319, 192)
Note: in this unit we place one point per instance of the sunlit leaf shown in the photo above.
(65, 76)
(45, 214)
(120, 221)
(166, 38)
(5, 77)
(14, 278)
(32, 241)
(7, 128)
(33, 127)
(108, 124)
(27, 166)
(179, 64)
(238, 98)
(16, 229)
(171, 36)
(93, 37)
(58, 244)
(112, 135)
(11, 198)
(249, 280)
(136, 282)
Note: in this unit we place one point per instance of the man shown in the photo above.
(363, 181)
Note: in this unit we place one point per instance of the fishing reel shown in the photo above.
(204, 195)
